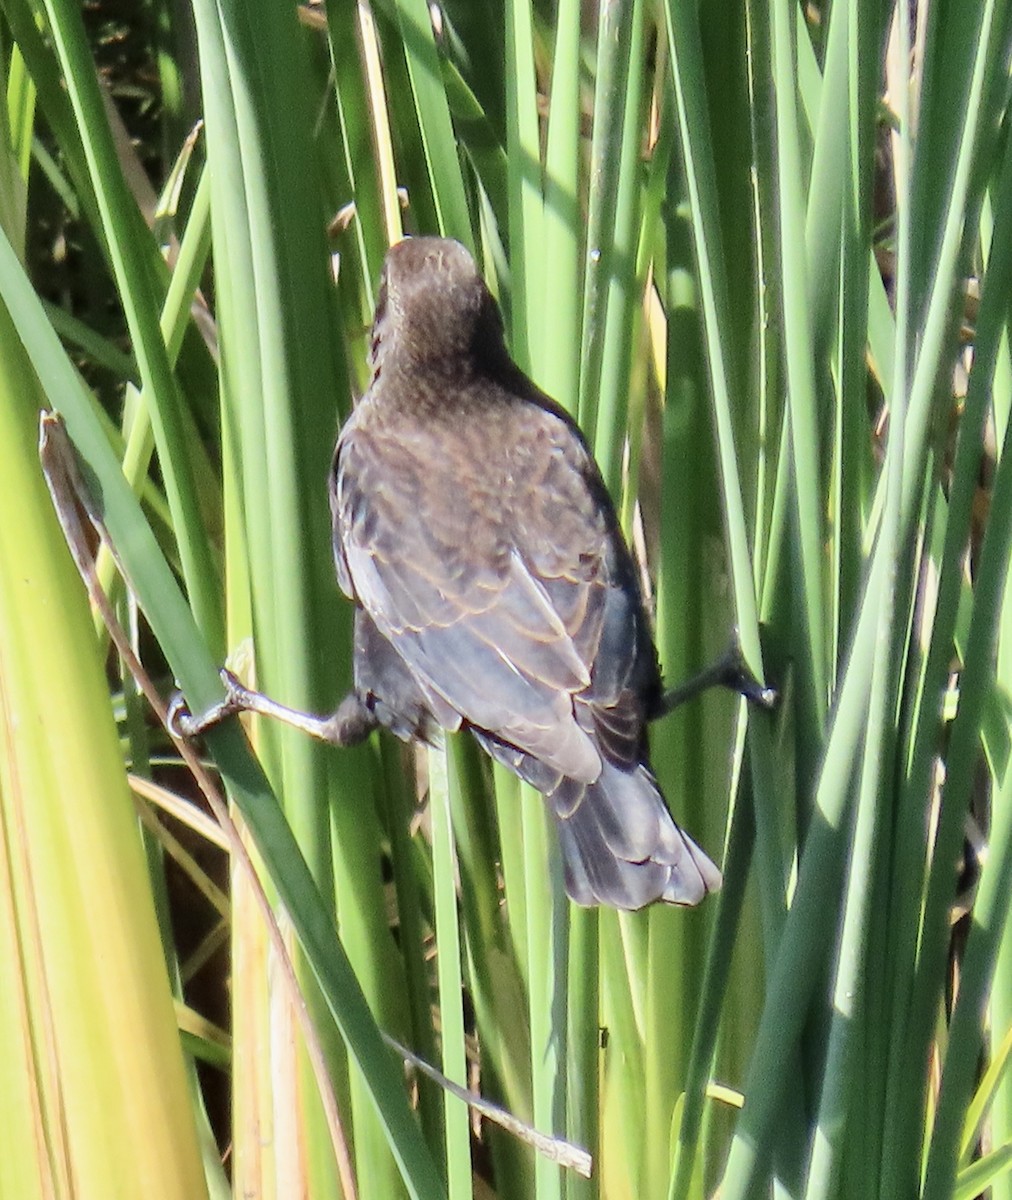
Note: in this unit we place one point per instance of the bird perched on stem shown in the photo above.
(494, 591)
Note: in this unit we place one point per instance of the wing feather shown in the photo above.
(497, 603)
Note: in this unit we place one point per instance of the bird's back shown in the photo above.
(472, 527)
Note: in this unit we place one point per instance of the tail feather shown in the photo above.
(620, 845)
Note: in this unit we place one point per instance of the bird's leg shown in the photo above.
(350, 724)
(730, 671)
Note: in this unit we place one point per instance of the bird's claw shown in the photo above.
(729, 671)
(740, 678)
(184, 724)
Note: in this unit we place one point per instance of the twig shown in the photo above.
(556, 1149)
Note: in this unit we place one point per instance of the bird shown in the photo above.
(494, 591)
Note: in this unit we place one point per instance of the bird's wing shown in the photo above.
(498, 619)
(576, 551)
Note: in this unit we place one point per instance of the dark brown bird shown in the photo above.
(495, 592)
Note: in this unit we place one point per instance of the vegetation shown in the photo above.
(764, 253)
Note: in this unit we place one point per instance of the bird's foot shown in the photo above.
(350, 724)
(729, 671)
(185, 724)
(739, 677)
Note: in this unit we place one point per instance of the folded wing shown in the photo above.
(496, 605)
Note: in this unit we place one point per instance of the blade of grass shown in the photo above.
(611, 68)
(526, 202)
(457, 1147)
(453, 219)
(95, 1026)
(994, 894)
(560, 368)
(912, 1006)
(622, 289)
(120, 221)
(813, 694)
(686, 59)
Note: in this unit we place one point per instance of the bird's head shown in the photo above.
(433, 306)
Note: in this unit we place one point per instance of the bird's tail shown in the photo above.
(620, 845)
